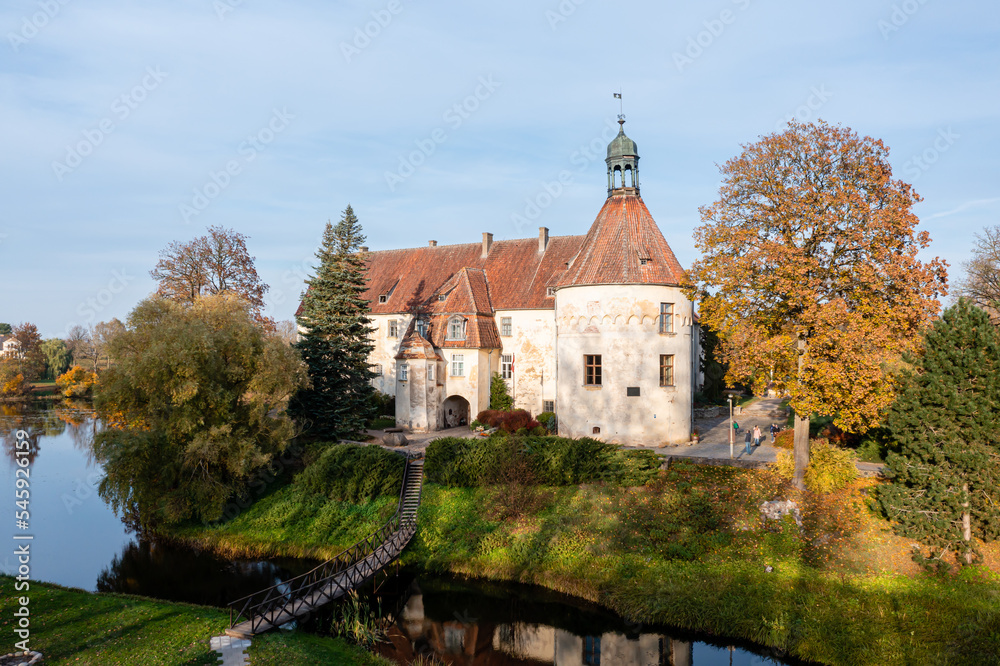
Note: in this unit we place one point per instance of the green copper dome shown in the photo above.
(621, 145)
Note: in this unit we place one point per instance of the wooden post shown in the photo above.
(801, 441)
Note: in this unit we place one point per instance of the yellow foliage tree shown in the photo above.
(76, 382)
(810, 274)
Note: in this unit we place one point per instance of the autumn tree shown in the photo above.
(101, 336)
(80, 346)
(30, 358)
(810, 274)
(194, 406)
(982, 273)
(335, 343)
(216, 263)
(5, 328)
(942, 464)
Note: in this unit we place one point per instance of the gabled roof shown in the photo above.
(624, 246)
(516, 273)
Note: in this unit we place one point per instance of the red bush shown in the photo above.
(532, 424)
(515, 420)
(490, 417)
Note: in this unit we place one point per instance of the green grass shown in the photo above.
(291, 522)
(383, 422)
(688, 554)
(75, 627)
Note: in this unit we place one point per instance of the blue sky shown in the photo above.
(129, 125)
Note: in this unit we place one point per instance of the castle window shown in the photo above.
(430, 372)
(507, 366)
(404, 372)
(393, 328)
(457, 365)
(592, 370)
(505, 326)
(666, 317)
(376, 370)
(422, 328)
(548, 405)
(383, 298)
(666, 369)
(456, 328)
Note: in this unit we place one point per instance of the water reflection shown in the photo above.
(466, 623)
(163, 571)
(46, 419)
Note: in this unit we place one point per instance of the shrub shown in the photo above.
(785, 439)
(515, 420)
(490, 417)
(830, 467)
(354, 473)
(76, 382)
(548, 419)
(554, 461)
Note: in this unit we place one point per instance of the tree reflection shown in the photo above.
(158, 570)
(45, 419)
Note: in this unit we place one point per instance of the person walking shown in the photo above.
(774, 432)
(756, 436)
(747, 441)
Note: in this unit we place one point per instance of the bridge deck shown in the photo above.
(354, 575)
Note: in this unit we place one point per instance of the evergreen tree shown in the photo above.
(335, 344)
(946, 427)
(499, 395)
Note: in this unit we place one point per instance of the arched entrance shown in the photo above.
(456, 411)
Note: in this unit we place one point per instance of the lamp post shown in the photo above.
(732, 435)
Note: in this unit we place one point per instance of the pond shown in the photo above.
(80, 542)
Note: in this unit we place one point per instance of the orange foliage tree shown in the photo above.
(810, 274)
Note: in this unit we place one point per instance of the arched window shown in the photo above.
(456, 328)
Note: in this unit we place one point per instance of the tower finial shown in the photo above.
(621, 109)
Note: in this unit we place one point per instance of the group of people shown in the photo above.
(755, 437)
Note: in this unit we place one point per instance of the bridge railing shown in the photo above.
(265, 605)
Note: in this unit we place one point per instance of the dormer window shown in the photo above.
(456, 328)
(422, 328)
(644, 260)
(383, 298)
(550, 291)
(442, 297)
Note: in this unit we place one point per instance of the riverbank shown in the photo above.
(690, 550)
(73, 626)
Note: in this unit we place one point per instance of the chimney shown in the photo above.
(487, 244)
(363, 248)
(543, 238)
(432, 243)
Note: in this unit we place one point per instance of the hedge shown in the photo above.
(354, 473)
(554, 461)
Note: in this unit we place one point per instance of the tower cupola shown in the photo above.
(623, 162)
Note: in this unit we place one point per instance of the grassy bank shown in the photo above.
(291, 522)
(689, 550)
(73, 626)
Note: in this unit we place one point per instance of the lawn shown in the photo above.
(73, 626)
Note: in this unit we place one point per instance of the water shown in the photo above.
(80, 542)
(461, 621)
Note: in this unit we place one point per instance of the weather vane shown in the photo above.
(621, 106)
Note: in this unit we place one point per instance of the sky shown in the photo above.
(130, 125)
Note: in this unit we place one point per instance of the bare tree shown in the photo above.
(213, 264)
(79, 344)
(287, 331)
(982, 274)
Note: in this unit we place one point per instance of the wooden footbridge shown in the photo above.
(293, 598)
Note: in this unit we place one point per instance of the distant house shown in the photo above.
(594, 327)
(9, 346)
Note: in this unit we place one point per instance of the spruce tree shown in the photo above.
(336, 344)
(946, 427)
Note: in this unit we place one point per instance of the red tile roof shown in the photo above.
(513, 277)
(415, 347)
(623, 235)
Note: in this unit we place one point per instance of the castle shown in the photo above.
(594, 328)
